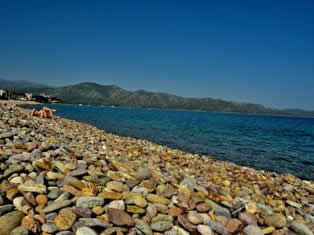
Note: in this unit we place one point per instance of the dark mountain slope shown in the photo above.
(92, 93)
(19, 84)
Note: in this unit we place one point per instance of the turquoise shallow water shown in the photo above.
(281, 144)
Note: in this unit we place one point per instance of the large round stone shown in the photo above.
(10, 221)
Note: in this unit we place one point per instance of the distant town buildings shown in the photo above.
(42, 98)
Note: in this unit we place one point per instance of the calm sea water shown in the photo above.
(281, 144)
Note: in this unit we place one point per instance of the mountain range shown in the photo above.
(112, 95)
(19, 84)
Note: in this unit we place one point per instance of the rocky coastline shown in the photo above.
(59, 176)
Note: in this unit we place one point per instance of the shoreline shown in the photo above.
(199, 111)
(176, 179)
(305, 175)
(196, 155)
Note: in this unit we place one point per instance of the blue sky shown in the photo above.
(254, 51)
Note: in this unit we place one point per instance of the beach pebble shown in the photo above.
(162, 226)
(89, 202)
(119, 217)
(204, 230)
(142, 227)
(218, 228)
(5, 209)
(223, 212)
(300, 229)
(56, 205)
(85, 231)
(10, 221)
(194, 217)
(276, 220)
(65, 219)
(252, 230)
(49, 228)
(118, 204)
(20, 231)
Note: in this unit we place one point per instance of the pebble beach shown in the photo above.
(59, 176)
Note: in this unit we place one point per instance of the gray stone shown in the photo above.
(90, 222)
(141, 190)
(56, 205)
(142, 227)
(51, 216)
(162, 226)
(5, 209)
(223, 212)
(49, 228)
(189, 182)
(288, 188)
(218, 228)
(54, 193)
(78, 172)
(206, 218)
(300, 229)
(89, 202)
(170, 232)
(63, 196)
(143, 173)
(252, 230)
(180, 231)
(7, 134)
(151, 210)
(309, 218)
(177, 231)
(12, 169)
(264, 209)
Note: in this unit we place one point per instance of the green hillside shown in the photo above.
(95, 94)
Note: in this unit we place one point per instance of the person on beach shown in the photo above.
(43, 113)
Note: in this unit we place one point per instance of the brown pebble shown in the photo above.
(41, 200)
(119, 217)
(234, 225)
(30, 223)
(203, 207)
(175, 211)
(65, 219)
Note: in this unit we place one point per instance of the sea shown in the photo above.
(273, 143)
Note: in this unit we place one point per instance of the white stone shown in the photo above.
(85, 231)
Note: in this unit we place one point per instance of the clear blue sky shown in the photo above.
(255, 51)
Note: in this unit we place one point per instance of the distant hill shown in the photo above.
(96, 94)
(19, 84)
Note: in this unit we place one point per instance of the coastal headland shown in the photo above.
(59, 176)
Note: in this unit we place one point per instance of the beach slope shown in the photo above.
(60, 176)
